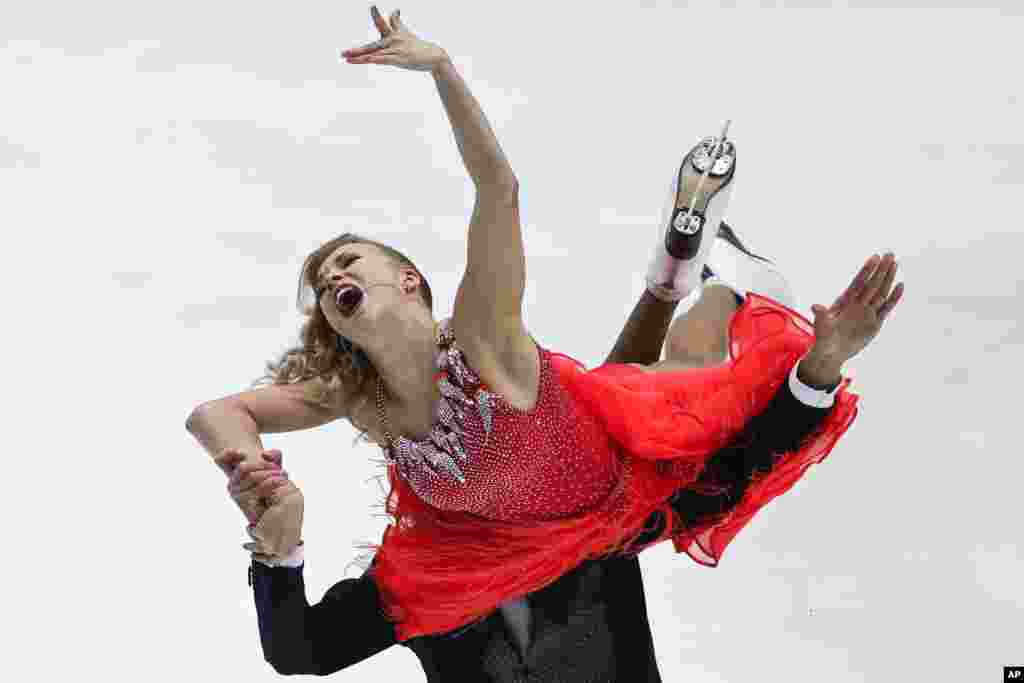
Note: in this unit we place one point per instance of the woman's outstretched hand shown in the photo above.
(847, 326)
(397, 46)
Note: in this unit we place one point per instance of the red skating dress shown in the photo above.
(498, 502)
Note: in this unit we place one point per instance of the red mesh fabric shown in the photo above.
(439, 570)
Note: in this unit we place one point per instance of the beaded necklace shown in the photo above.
(382, 412)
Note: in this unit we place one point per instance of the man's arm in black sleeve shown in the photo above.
(781, 428)
(345, 627)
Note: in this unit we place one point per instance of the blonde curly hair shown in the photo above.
(337, 368)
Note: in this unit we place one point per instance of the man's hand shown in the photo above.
(846, 327)
(279, 530)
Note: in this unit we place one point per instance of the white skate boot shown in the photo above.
(733, 265)
(698, 197)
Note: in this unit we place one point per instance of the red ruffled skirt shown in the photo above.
(437, 570)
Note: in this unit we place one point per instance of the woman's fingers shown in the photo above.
(254, 480)
(378, 20)
(275, 456)
(383, 57)
(248, 475)
(244, 469)
(233, 463)
(396, 21)
(368, 48)
(386, 28)
(228, 460)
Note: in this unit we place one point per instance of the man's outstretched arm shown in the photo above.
(299, 638)
(643, 336)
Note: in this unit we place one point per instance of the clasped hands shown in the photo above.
(270, 501)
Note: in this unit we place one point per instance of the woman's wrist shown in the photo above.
(442, 65)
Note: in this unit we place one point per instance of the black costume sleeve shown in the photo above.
(781, 428)
(345, 627)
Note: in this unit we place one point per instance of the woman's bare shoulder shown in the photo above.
(508, 364)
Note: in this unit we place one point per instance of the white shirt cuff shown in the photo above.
(295, 558)
(816, 398)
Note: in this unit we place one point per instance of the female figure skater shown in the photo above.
(509, 464)
(588, 625)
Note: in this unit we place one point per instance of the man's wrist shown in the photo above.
(295, 558)
(820, 372)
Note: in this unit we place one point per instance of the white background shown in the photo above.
(164, 168)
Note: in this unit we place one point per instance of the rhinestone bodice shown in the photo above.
(488, 458)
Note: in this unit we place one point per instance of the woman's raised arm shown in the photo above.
(488, 308)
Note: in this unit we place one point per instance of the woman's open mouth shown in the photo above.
(348, 299)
